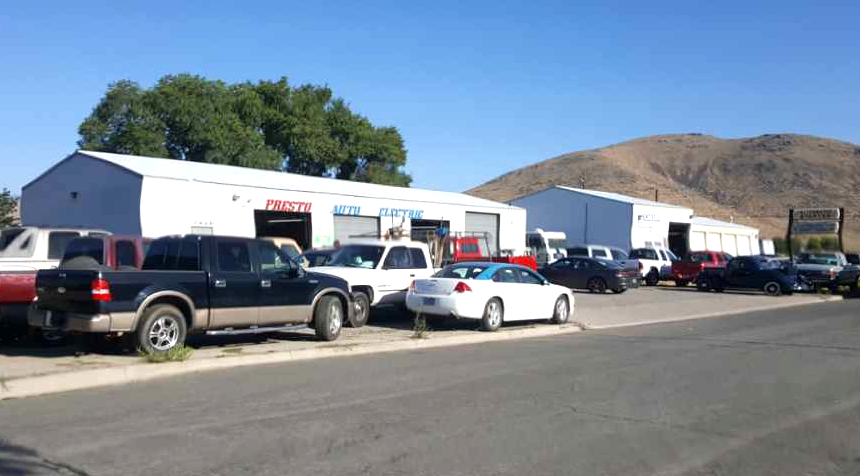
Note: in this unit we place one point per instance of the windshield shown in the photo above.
(460, 271)
(643, 253)
(558, 244)
(357, 256)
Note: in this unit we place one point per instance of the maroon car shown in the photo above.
(688, 268)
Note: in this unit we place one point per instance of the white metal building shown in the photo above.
(611, 219)
(155, 197)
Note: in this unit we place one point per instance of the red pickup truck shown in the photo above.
(469, 249)
(688, 268)
(18, 288)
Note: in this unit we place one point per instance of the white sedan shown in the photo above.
(492, 293)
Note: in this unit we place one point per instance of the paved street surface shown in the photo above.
(770, 393)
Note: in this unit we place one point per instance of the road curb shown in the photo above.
(139, 372)
(768, 307)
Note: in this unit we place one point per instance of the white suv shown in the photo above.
(378, 271)
(655, 263)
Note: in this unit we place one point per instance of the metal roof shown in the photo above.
(249, 177)
(619, 198)
(717, 223)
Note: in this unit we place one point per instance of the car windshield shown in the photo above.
(605, 263)
(813, 258)
(644, 253)
(460, 271)
(357, 256)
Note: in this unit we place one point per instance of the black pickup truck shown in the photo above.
(195, 284)
(752, 272)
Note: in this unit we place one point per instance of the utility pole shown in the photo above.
(656, 194)
(582, 181)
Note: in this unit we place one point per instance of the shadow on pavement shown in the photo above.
(16, 460)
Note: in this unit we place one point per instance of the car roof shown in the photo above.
(491, 266)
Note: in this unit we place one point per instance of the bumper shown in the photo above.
(54, 320)
(458, 306)
(689, 277)
(14, 314)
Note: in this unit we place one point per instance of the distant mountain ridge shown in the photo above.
(752, 180)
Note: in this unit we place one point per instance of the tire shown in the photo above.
(328, 318)
(561, 310)
(619, 290)
(772, 288)
(494, 315)
(51, 337)
(361, 311)
(703, 285)
(681, 283)
(652, 278)
(161, 328)
(596, 285)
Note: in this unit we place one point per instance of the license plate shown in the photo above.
(429, 301)
(48, 316)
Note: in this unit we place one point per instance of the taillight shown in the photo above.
(412, 286)
(100, 290)
(640, 266)
(462, 287)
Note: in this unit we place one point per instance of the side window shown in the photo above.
(417, 255)
(57, 242)
(189, 256)
(233, 257)
(562, 263)
(126, 254)
(398, 258)
(272, 259)
(529, 278)
(583, 264)
(506, 275)
(156, 255)
(663, 256)
(577, 252)
(598, 253)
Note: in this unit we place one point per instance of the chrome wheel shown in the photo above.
(494, 314)
(335, 317)
(164, 333)
(772, 289)
(561, 310)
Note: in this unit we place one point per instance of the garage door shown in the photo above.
(743, 245)
(346, 226)
(697, 241)
(714, 242)
(730, 244)
(485, 223)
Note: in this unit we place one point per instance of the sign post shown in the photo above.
(814, 221)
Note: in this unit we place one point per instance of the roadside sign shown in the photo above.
(815, 228)
(817, 214)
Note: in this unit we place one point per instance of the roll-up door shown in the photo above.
(730, 244)
(714, 242)
(697, 241)
(485, 223)
(348, 226)
(743, 245)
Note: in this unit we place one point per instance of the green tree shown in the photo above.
(813, 244)
(268, 125)
(8, 205)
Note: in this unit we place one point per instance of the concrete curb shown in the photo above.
(139, 372)
(768, 307)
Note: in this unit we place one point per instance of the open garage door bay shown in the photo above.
(349, 226)
(484, 223)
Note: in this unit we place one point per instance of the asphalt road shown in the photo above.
(769, 393)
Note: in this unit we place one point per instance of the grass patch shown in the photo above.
(233, 350)
(176, 354)
(420, 330)
(3, 385)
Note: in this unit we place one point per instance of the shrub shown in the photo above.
(176, 354)
(813, 244)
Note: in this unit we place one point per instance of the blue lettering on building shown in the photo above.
(346, 210)
(401, 212)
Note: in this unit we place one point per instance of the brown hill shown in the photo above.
(752, 181)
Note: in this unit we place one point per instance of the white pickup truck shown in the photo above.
(654, 263)
(378, 271)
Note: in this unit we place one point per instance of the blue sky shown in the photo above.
(476, 88)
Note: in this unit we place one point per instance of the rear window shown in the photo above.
(57, 242)
(577, 251)
(89, 247)
(460, 271)
(471, 248)
(599, 253)
(8, 236)
(126, 253)
(643, 253)
(699, 257)
(619, 255)
(173, 255)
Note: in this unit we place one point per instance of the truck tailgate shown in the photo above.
(67, 290)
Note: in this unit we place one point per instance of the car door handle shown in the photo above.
(266, 283)
(411, 275)
(220, 283)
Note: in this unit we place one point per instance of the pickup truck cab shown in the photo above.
(827, 270)
(195, 284)
(378, 271)
(655, 263)
(687, 269)
(751, 272)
